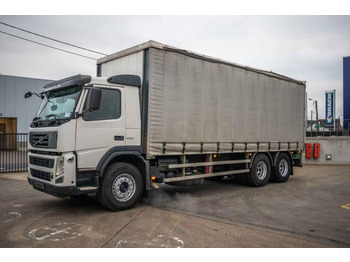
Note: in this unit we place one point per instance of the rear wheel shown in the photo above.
(121, 187)
(283, 168)
(260, 171)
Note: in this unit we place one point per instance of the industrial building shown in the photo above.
(16, 113)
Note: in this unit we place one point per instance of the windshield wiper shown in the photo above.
(36, 119)
(54, 115)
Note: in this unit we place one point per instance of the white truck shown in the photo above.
(158, 114)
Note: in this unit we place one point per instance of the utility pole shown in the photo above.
(306, 113)
(317, 124)
(311, 122)
(334, 109)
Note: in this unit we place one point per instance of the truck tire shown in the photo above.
(283, 168)
(260, 171)
(121, 187)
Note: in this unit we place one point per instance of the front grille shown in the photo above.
(40, 175)
(43, 140)
(40, 140)
(44, 162)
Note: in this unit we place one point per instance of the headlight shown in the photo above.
(60, 166)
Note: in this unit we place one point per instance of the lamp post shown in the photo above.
(311, 122)
(317, 124)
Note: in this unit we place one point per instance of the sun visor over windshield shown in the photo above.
(69, 81)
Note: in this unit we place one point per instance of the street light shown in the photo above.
(317, 124)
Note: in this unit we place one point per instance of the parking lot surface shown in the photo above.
(310, 210)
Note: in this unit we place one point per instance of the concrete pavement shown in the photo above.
(304, 212)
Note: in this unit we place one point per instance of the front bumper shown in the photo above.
(62, 192)
(42, 175)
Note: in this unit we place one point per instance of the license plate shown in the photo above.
(40, 185)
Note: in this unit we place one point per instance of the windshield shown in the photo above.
(58, 104)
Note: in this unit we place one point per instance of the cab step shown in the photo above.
(88, 189)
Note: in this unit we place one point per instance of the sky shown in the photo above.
(308, 48)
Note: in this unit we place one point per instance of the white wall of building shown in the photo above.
(12, 102)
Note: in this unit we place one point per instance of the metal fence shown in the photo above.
(327, 133)
(319, 128)
(13, 152)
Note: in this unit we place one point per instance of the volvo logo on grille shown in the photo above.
(41, 139)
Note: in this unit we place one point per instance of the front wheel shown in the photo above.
(121, 187)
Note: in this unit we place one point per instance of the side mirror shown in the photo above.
(27, 95)
(94, 99)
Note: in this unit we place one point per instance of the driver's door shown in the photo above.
(100, 130)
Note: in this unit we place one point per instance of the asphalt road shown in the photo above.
(310, 210)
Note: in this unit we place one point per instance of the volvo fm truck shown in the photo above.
(159, 114)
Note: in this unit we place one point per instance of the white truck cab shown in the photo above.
(82, 121)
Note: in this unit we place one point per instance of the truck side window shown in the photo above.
(109, 108)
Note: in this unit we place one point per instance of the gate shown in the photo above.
(13, 152)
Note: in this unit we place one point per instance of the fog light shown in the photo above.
(60, 166)
(59, 180)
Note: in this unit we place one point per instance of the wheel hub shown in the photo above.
(124, 187)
